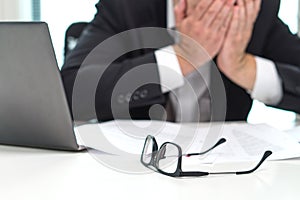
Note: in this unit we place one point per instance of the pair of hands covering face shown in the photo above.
(223, 29)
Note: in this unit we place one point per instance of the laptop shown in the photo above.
(33, 108)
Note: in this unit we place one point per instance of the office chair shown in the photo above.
(73, 32)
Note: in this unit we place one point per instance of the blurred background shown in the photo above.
(59, 14)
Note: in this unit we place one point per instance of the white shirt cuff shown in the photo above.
(169, 69)
(267, 87)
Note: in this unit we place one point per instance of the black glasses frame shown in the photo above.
(155, 154)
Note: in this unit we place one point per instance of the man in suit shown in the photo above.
(254, 51)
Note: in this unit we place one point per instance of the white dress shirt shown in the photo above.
(267, 87)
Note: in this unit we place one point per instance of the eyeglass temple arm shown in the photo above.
(193, 174)
(264, 157)
(199, 173)
(221, 141)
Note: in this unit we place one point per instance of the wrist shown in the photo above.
(185, 66)
(190, 56)
(244, 74)
(247, 73)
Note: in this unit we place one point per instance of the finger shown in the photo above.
(228, 20)
(242, 15)
(234, 25)
(250, 9)
(225, 25)
(192, 5)
(257, 6)
(180, 11)
(250, 13)
(201, 8)
(221, 18)
(212, 12)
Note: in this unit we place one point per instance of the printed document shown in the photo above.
(244, 142)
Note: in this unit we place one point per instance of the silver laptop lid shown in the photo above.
(33, 107)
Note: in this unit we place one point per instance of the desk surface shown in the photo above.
(41, 174)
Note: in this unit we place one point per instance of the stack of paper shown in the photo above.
(244, 142)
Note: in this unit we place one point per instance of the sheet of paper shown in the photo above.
(129, 136)
(245, 142)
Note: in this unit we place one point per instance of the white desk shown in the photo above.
(41, 174)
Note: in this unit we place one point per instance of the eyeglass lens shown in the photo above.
(167, 158)
(148, 150)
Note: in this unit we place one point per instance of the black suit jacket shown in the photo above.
(271, 39)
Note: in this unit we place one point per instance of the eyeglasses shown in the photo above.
(167, 159)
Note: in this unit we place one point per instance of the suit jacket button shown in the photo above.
(128, 97)
(121, 99)
(135, 97)
(144, 94)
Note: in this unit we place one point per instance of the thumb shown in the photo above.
(180, 11)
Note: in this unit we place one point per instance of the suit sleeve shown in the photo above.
(284, 49)
(131, 81)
